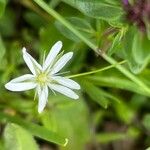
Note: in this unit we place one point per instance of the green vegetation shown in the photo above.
(110, 40)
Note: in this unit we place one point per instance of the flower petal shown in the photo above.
(20, 86)
(31, 62)
(23, 78)
(64, 90)
(61, 62)
(43, 97)
(21, 83)
(52, 55)
(67, 82)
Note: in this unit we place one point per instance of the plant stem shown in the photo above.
(127, 73)
(68, 25)
(96, 71)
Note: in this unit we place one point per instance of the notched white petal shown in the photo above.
(22, 83)
(52, 55)
(64, 90)
(43, 97)
(24, 78)
(31, 62)
(20, 86)
(67, 82)
(61, 62)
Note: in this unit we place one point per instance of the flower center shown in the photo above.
(42, 78)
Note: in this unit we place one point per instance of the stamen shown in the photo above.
(52, 91)
(35, 95)
(62, 73)
(42, 78)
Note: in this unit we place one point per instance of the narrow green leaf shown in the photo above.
(110, 81)
(97, 9)
(17, 138)
(115, 43)
(35, 130)
(124, 112)
(80, 24)
(113, 2)
(66, 33)
(95, 94)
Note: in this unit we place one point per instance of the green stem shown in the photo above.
(57, 16)
(96, 71)
(127, 73)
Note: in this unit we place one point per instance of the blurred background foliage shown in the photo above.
(113, 112)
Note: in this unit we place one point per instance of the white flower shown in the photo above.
(45, 76)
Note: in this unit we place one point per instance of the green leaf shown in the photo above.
(113, 2)
(141, 48)
(2, 6)
(97, 94)
(115, 44)
(128, 42)
(80, 24)
(110, 81)
(124, 112)
(35, 130)
(136, 50)
(97, 9)
(17, 138)
(148, 148)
